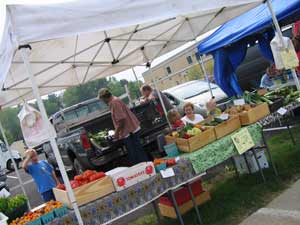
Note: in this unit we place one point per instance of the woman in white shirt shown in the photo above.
(190, 116)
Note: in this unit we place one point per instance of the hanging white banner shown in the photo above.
(35, 132)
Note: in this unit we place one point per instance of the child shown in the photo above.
(175, 119)
(42, 173)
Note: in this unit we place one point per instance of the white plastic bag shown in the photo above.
(285, 57)
(35, 132)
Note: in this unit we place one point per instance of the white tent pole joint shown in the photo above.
(53, 143)
(14, 162)
(202, 65)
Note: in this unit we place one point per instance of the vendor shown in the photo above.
(127, 126)
(152, 94)
(272, 74)
(42, 173)
(190, 116)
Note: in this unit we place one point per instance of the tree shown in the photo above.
(53, 104)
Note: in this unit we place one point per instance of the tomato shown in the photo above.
(171, 162)
(88, 173)
(79, 178)
(74, 184)
(82, 182)
(96, 176)
(61, 187)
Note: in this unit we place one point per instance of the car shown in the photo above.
(3, 178)
(6, 161)
(196, 92)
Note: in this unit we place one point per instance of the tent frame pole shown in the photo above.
(24, 54)
(275, 21)
(202, 65)
(14, 162)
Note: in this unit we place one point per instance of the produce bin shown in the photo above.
(168, 210)
(160, 167)
(3, 219)
(171, 150)
(254, 114)
(61, 211)
(87, 193)
(46, 218)
(17, 212)
(35, 222)
(193, 143)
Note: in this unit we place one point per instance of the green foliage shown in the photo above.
(11, 203)
(11, 125)
(196, 72)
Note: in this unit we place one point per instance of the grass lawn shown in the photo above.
(233, 200)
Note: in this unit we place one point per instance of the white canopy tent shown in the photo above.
(79, 41)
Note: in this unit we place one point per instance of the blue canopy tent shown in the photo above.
(228, 44)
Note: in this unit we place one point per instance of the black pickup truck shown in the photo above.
(79, 152)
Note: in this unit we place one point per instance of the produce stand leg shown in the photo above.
(259, 167)
(269, 154)
(235, 168)
(195, 204)
(179, 216)
(156, 210)
(291, 135)
(247, 163)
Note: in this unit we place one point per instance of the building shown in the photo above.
(174, 70)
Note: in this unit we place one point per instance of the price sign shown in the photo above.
(239, 101)
(167, 173)
(242, 141)
(282, 111)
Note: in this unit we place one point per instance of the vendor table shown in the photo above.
(119, 204)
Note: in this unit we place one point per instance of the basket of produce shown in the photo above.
(102, 139)
(87, 187)
(30, 218)
(192, 137)
(288, 94)
(61, 211)
(223, 127)
(249, 113)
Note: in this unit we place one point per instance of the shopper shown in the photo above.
(190, 116)
(127, 126)
(42, 173)
(152, 94)
(175, 119)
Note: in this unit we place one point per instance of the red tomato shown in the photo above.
(74, 184)
(171, 162)
(88, 173)
(61, 187)
(79, 178)
(96, 176)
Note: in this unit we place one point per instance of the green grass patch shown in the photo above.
(233, 200)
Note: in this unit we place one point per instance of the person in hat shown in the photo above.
(42, 173)
(127, 126)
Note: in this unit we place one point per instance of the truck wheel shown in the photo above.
(10, 165)
(78, 167)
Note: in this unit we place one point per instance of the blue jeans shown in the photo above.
(136, 154)
(48, 195)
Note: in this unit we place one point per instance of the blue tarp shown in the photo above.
(229, 43)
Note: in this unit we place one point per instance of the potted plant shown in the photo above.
(13, 207)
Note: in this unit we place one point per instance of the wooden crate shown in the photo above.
(169, 211)
(227, 127)
(195, 142)
(87, 193)
(254, 114)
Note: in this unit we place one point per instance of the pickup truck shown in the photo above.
(75, 124)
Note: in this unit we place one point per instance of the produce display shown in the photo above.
(289, 94)
(84, 178)
(102, 138)
(9, 204)
(169, 162)
(237, 109)
(189, 131)
(31, 216)
(214, 122)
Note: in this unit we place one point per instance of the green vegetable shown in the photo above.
(10, 204)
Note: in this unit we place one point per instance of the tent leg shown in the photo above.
(201, 63)
(14, 163)
(275, 21)
(51, 135)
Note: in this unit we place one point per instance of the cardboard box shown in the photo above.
(227, 127)
(87, 193)
(132, 175)
(193, 143)
(254, 114)
(169, 211)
